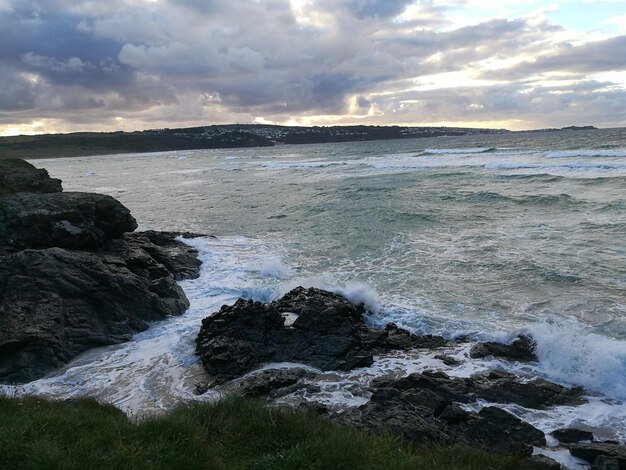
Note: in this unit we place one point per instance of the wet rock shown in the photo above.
(398, 338)
(179, 259)
(602, 462)
(610, 453)
(64, 220)
(541, 462)
(56, 303)
(448, 360)
(522, 349)
(273, 383)
(537, 393)
(502, 431)
(328, 333)
(495, 387)
(571, 435)
(19, 176)
(424, 408)
(71, 278)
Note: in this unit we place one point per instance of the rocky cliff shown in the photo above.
(73, 275)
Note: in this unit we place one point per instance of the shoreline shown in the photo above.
(371, 345)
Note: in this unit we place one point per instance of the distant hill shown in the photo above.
(209, 137)
(578, 128)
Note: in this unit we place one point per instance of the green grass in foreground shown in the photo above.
(233, 433)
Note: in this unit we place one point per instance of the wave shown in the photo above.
(492, 196)
(543, 177)
(569, 353)
(605, 166)
(296, 165)
(585, 153)
(455, 151)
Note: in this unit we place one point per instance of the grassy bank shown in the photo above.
(35, 433)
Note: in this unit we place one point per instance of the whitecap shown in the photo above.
(585, 153)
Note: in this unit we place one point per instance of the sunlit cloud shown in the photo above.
(122, 64)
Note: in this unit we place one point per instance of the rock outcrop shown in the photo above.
(65, 220)
(328, 333)
(603, 455)
(521, 349)
(428, 407)
(19, 176)
(72, 277)
(324, 330)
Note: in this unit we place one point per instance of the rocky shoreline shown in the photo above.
(74, 275)
(325, 332)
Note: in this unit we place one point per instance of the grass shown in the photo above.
(231, 434)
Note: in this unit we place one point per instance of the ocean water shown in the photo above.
(484, 236)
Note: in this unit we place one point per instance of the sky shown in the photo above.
(111, 65)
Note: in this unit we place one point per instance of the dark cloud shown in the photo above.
(192, 61)
(366, 8)
(598, 56)
(17, 93)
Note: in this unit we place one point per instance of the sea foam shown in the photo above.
(569, 353)
(585, 153)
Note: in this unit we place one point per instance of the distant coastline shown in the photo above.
(218, 136)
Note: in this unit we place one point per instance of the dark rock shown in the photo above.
(537, 393)
(57, 303)
(398, 338)
(448, 360)
(328, 333)
(592, 451)
(273, 382)
(19, 176)
(65, 220)
(179, 259)
(541, 462)
(522, 349)
(602, 462)
(495, 387)
(570, 435)
(504, 432)
(454, 414)
(422, 408)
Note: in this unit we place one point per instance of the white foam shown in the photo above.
(455, 151)
(361, 293)
(300, 164)
(273, 267)
(585, 153)
(576, 169)
(568, 352)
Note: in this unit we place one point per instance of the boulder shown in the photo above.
(72, 277)
(602, 462)
(273, 383)
(608, 453)
(571, 435)
(521, 349)
(494, 387)
(19, 176)
(328, 333)
(499, 387)
(64, 220)
(179, 259)
(56, 303)
(541, 462)
(424, 408)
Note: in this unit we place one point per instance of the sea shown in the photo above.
(481, 236)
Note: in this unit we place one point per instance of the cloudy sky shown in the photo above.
(68, 65)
